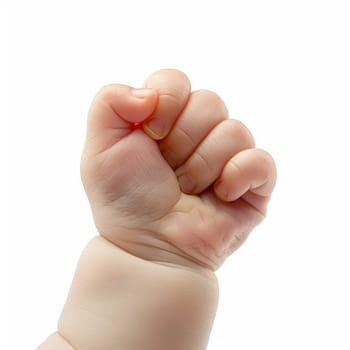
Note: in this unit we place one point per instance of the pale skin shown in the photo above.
(175, 187)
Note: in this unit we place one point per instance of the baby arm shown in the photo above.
(175, 187)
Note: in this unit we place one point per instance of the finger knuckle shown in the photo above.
(266, 159)
(239, 131)
(212, 102)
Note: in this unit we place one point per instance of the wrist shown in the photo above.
(154, 247)
(115, 295)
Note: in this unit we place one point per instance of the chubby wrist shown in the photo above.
(115, 296)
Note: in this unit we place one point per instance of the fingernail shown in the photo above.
(169, 157)
(141, 93)
(155, 128)
(221, 190)
(186, 184)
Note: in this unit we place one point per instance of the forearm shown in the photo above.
(118, 301)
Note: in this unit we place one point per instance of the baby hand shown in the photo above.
(170, 178)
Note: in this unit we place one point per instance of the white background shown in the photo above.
(281, 66)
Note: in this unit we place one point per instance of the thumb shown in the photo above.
(114, 112)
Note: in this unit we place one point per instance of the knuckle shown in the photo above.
(201, 160)
(185, 136)
(266, 160)
(166, 75)
(213, 103)
(171, 95)
(171, 83)
(239, 131)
